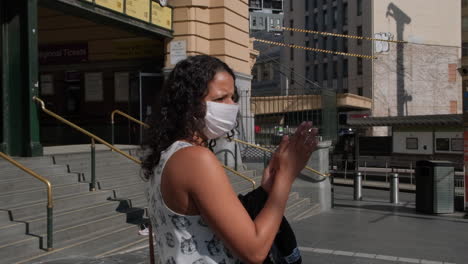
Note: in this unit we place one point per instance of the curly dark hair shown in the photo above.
(180, 109)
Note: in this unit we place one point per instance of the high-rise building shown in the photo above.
(266, 19)
(464, 60)
(414, 78)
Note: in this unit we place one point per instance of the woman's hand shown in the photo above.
(294, 152)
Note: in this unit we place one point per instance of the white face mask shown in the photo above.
(220, 119)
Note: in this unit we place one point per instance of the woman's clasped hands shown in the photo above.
(292, 155)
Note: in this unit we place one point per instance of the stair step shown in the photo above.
(32, 183)
(65, 203)
(15, 199)
(96, 244)
(111, 182)
(25, 247)
(11, 231)
(129, 190)
(15, 173)
(36, 162)
(314, 209)
(297, 207)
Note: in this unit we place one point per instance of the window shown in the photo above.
(335, 43)
(307, 72)
(442, 144)
(359, 33)
(306, 5)
(266, 72)
(260, 20)
(325, 19)
(345, 68)
(457, 144)
(314, 2)
(254, 21)
(291, 50)
(255, 73)
(292, 76)
(360, 91)
(345, 42)
(315, 25)
(306, 24)
(335, 69)
(291, 25)
(359, 7)
(306, 51)
(325, 40)
(325, 71)
(412, 143)
(335, 17)
(465, 49)
(345, 14)
(359, 66)
(465, 23)
(464, 3)
(316, 73)
(291, 5)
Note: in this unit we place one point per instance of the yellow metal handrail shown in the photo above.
(98, 139)
(270, 151)
(148, 126)
(128, 117)
(241, 175)
(50, 202)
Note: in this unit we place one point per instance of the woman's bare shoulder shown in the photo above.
(192, 160)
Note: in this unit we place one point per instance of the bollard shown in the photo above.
(358, 186)
(394, 188)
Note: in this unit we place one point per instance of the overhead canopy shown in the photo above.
(402, 121)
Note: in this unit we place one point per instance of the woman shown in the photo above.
(196, 215)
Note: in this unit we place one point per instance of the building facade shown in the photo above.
(86, 58)
(415, 78)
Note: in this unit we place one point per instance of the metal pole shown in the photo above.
(93, 165)
(235, 155)
(411, 172)
(50, 226)
(358, 186)
(345, 167)
(332, 191)
(386, 171)
(394, 189)
(113, 132)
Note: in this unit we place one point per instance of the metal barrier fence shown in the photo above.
(346, 169)
(265, 119)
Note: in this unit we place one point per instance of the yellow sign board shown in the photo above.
(132, 49)
(138, 9)
(161, 16)
(146, 10)
(116, 5)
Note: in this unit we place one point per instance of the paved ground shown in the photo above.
(364, 232)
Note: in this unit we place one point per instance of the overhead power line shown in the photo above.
(339, 35)
(316, 50)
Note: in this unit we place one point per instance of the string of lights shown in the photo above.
(316, 50)
(339, 35)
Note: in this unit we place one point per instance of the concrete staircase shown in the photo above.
(86, 224)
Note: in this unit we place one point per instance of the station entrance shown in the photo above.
(84, 59)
